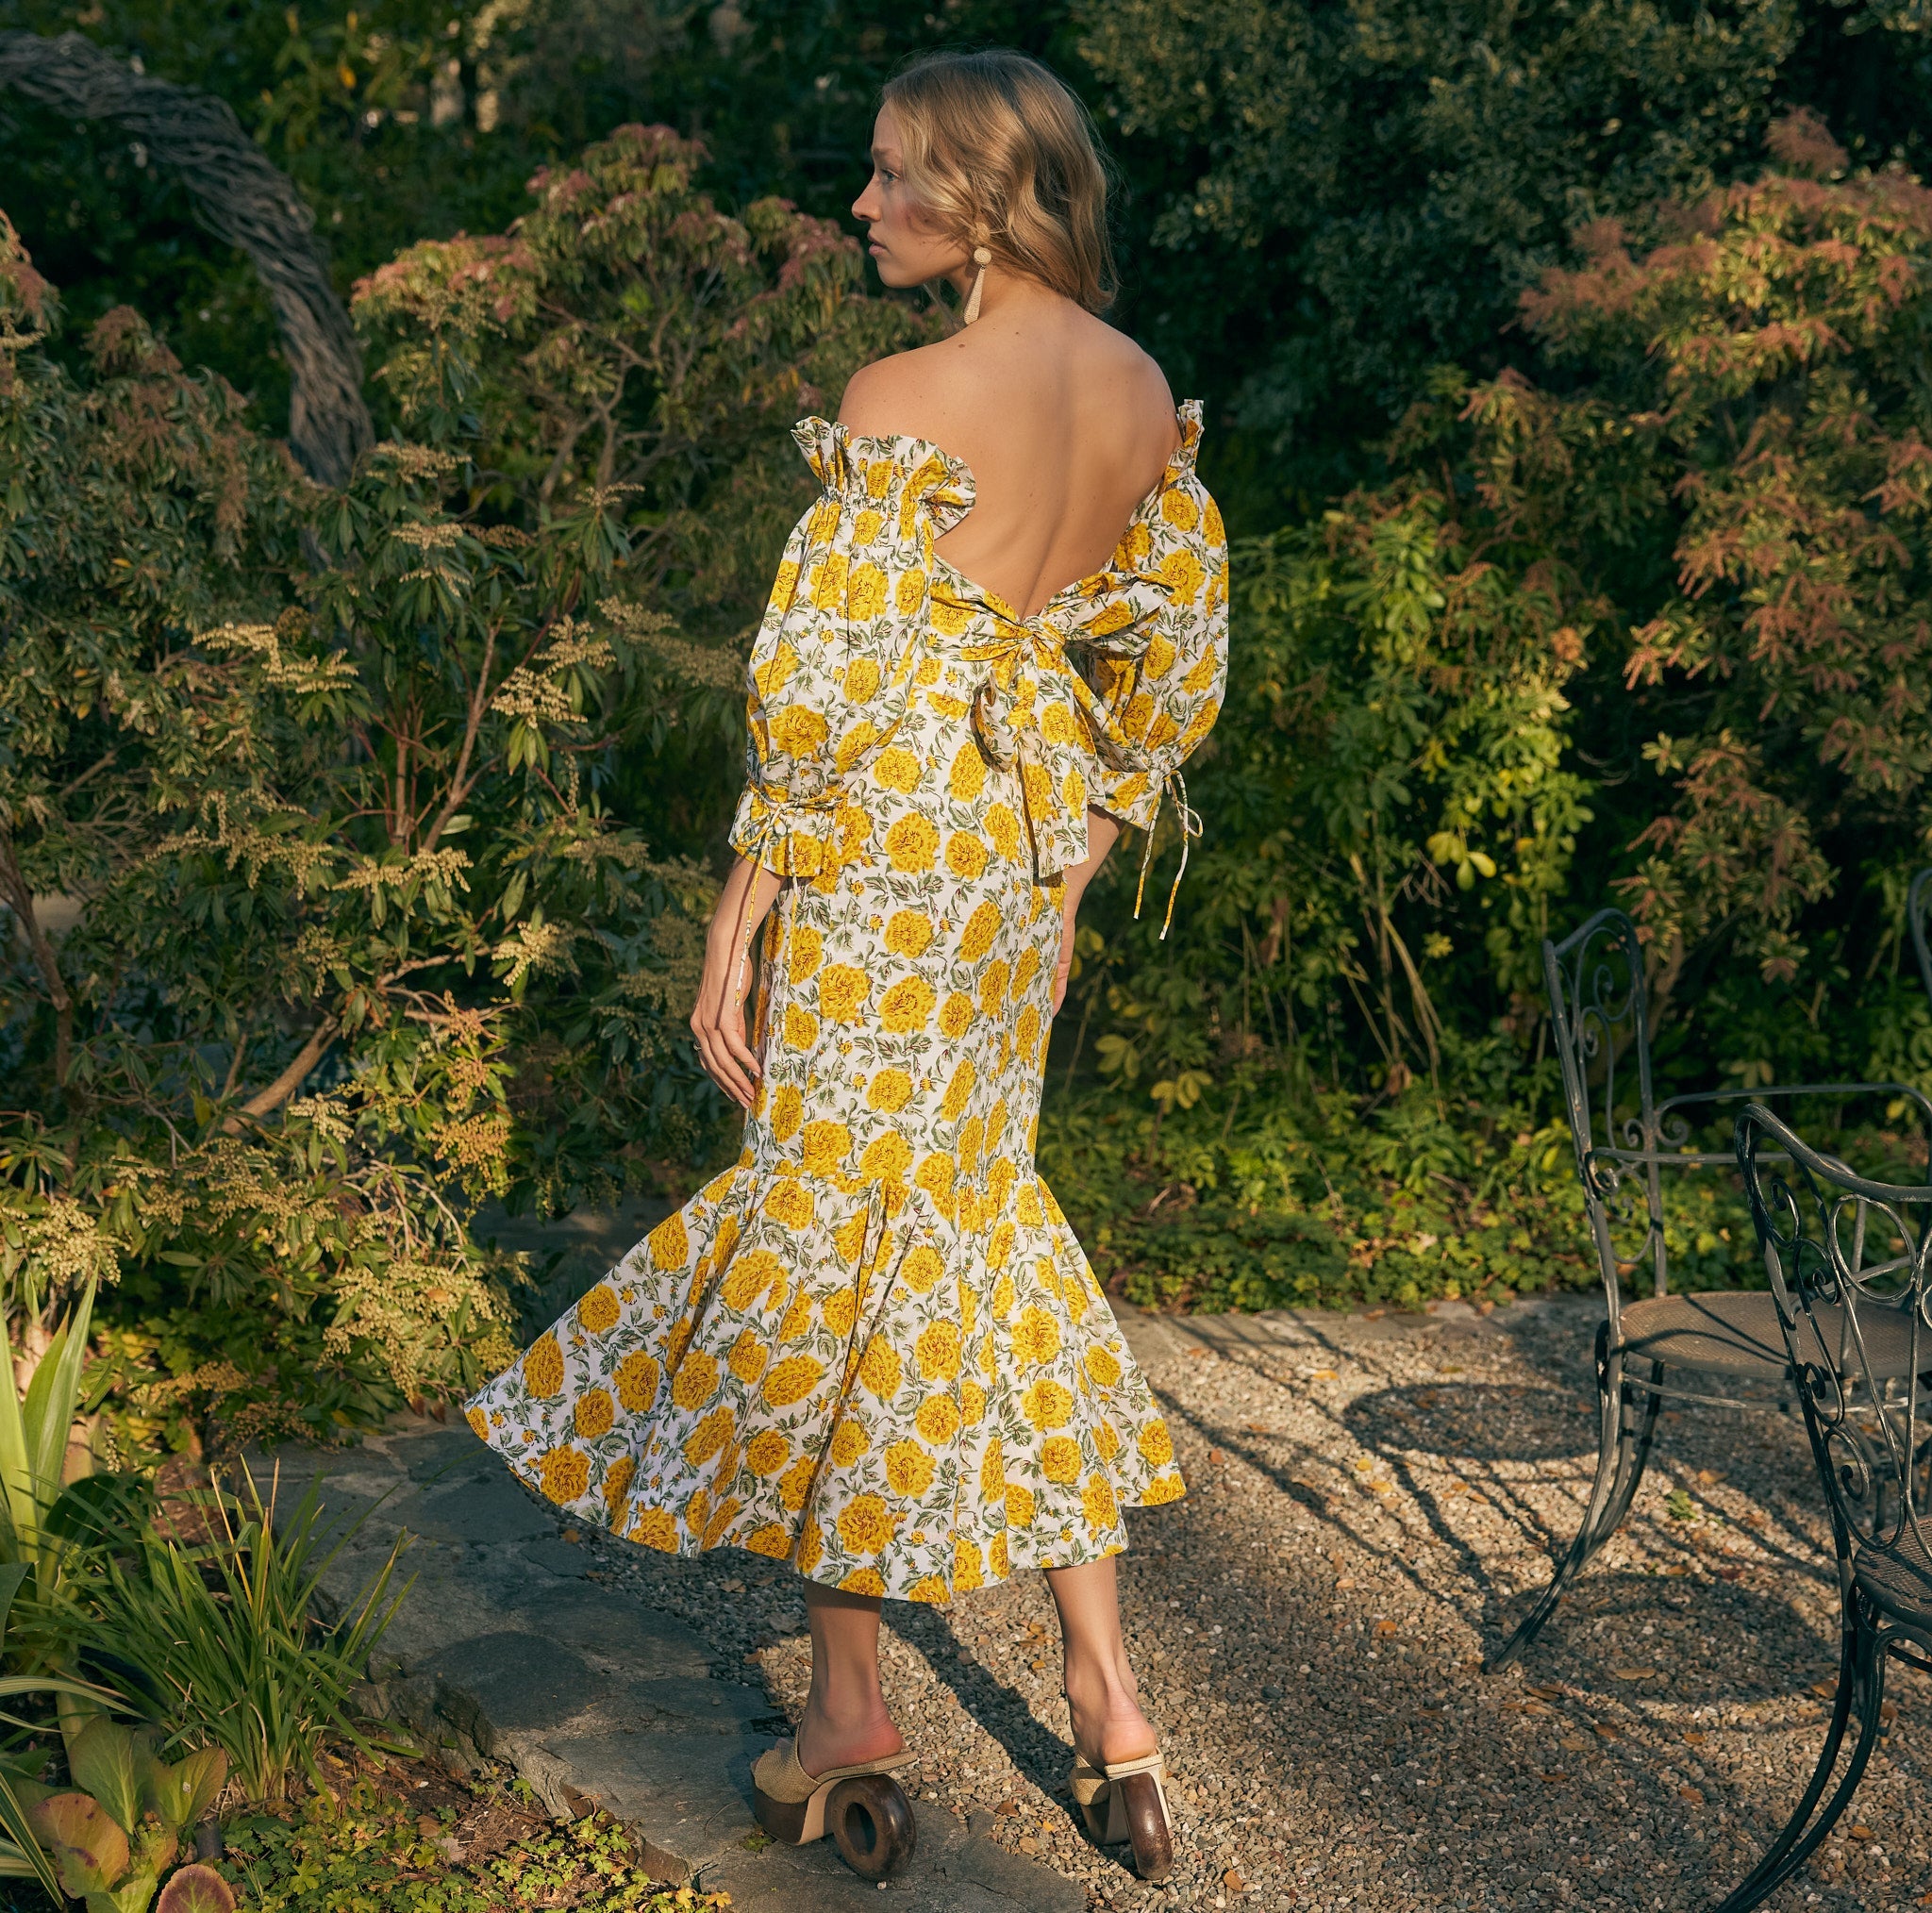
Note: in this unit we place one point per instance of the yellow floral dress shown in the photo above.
(872, 1347)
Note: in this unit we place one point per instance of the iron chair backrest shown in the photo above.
(1918, 908)
(1600, 1014)
(1849, 1260)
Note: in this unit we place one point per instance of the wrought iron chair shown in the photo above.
(1917, 909)
(1709, 1346)
(1856, 1330)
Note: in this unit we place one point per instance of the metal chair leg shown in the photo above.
(1634, 1457)
(1612, 1463)
(1860, 1689)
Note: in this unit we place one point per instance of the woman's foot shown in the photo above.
(824, 1743)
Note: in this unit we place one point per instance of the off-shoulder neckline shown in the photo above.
(1180, 462)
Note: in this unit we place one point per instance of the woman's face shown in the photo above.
(903, 246)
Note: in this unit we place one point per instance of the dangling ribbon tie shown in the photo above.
(810, 792)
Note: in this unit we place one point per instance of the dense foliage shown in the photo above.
(325, 926)
(1578, 452)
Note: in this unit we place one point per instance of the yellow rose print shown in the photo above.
(908, 1469)
(788, 1109)
(937, 1419)
(544, 1367)
(880, 1370)
(669, 1244)
(908, 933)
(1003, 828)
(939, 1351)
(981, 928)
(905, 1005)
(865, 594)
(826, 1146)
(791, 1380)
(1060, 1459)
(696, 1380)
(922, 1266)
(593, 1413)
(806, 951)
(864, 1524)
(842, 991)
(887, 1159)
(617, 1483)
(1047, 1405)
(636, 1381)
(911, 844)
(1036, 1338)
(564, 1473)
(849, 1441)
(966, 853)
(870, 1347)
(767, 1452)
(655, 1527)
(790, 1204)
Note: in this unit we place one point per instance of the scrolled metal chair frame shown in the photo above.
(1601, 1019)
(1816, 1221)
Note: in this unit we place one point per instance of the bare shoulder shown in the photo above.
(1073, 372)
(910, 393)
(1132, 381)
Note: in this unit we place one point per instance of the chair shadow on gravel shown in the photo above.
(1476, 1421)
(1712, 1642)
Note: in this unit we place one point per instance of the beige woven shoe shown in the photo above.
(790, 1804)
(1126, 1799)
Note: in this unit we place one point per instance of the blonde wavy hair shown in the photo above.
(999, 152)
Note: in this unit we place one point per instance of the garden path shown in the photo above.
(1373, 1500)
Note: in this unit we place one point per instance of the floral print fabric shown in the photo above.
(872, 1347)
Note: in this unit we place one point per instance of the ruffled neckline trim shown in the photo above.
(945, 486)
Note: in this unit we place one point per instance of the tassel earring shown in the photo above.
(982, 257)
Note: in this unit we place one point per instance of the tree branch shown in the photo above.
(472, 723)
(266, 1102)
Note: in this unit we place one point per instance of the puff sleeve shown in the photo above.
(836, 652)
(1162, 696)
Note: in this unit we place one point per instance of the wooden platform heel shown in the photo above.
(862, 1807)
(1126, 1799)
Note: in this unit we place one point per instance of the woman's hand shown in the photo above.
(1101, 834)
(718, 1021)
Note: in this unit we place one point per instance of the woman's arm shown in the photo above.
(718, 1021)
(1102, 833)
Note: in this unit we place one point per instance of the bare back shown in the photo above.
(1065, 424)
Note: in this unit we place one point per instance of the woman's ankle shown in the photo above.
(847, 1737)
(1103, 1711)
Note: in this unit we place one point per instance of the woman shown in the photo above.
(874, 1348)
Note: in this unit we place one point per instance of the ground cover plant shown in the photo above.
(401, 1837)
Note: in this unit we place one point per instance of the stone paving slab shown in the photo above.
(509, 1647)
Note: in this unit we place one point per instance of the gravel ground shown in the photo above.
(1372, 1502)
